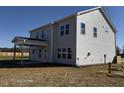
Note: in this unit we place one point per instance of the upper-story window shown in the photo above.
(62, 30)
(82, 28)
(94, 31)
(67, 29)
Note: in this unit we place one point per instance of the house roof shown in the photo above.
(26, 38)
(29, 41)
(101, 9)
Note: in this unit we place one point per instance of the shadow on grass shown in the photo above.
(15, 64)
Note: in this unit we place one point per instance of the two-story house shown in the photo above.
(83, 38)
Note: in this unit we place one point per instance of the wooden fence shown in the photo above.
(122, 60)
(26, 54)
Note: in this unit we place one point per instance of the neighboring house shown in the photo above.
(84, 38)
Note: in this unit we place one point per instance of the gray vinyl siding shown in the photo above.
(47, 33)
(66, 41)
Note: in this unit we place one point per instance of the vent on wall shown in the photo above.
(88, 54)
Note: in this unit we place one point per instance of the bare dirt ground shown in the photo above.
(47, 75)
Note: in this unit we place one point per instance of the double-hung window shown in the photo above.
(62, 30)
(64, 53)
(39, 52)
(67, 29)
(69, 53)
(33, 51)
(94, 31)
(83, 28)
(59, 53)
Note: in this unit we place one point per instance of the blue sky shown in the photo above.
(18, 21)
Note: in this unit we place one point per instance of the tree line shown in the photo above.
(120, 51)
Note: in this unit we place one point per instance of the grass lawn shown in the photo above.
(59, 76)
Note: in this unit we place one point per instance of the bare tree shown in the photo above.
(118, 51)
(123, 49)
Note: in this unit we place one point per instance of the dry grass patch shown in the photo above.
(59, 76)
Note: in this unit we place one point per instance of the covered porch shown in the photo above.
(24, 41)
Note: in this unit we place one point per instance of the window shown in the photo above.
(69, 56)
(33, 51)
(64, 50)
(45, 50)
(67, 29)
(63, 56)
(39, 52)
(59, 55)
(64, 53)
(62, 30)
(59, 49)
(82, 28)
(69, 50)
(94, 31)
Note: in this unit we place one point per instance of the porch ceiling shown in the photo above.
(29, 41)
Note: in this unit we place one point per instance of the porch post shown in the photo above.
(14, 55)
(21, 54)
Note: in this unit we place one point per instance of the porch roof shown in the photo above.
(29, 41)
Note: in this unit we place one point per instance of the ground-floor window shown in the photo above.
(69, 50)
(45, 50)
(64, 53)
(64, 50)
(39, 55)
(69, 56)
(59, 55)
(59, 49)
(64, 56)
(33, 51)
